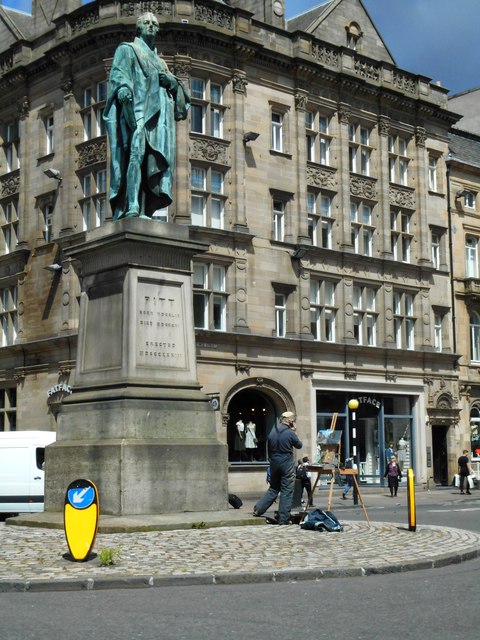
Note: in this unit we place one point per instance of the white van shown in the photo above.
(22, 456)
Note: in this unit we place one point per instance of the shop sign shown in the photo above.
(59, 388)
(368, 400)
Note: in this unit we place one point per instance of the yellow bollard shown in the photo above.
(412, 518)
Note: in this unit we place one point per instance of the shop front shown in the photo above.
(380, 426)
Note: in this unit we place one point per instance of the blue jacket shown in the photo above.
(281, 442)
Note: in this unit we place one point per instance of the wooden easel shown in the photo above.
(344, 472)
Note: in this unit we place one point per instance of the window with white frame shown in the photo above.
(10, 144)
(207, 109)
(49, 134)
(93, 106)
(404, 319)
(469, 200)
(278, 220)
(432, 173)
(318, 137)
(8, 315)
(471, 257)
(280, 314)
(438, 332)
(8, 409)
(475, 336)
(47, 213)
(361, 217)
(436, 238)
(320, 221)
(359, 149)
(401, 235)
(93, 203)
(209, 296)
(9, 224)
(277, 131)
(364, 315)
(207, 197)
(398, 159)
(323, 310)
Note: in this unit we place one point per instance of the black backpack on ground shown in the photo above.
(234, 501)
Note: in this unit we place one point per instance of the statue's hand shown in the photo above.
(124, 95)
(168, 81)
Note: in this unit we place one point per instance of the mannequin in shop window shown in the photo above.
(240, 439)
(251, 442)
(402, 452)
(389, 452)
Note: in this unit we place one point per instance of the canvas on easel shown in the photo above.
(328, 446)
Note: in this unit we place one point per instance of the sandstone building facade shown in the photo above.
(314, 168)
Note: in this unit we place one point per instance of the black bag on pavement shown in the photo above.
(234, 501)
(319, 520)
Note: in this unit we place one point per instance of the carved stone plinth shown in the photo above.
(137, 423)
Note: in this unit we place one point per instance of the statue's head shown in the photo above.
(147, 25)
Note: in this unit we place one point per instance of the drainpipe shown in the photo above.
(450, 251)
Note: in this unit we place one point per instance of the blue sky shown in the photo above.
(436, 38)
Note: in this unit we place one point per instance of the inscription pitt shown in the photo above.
(160, 335)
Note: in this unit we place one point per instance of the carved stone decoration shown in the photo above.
(363, 187)
(209, 150)
(23, 107)
(404, 83)
(10, 184)
(401, 197)
(384, 125)
(344, 113)
(84, 21)
(158, 7)
(390, 377)
(182, 66)
(67, 88)
(367, 70)
(92, 152)
(325, 55)
(239, 82)
(350, 374)
(465, 391)
(6, 62)
(242, 367)
(19, 375)
(321, 177)
(214, 15)
(420, 137)
(301, 99)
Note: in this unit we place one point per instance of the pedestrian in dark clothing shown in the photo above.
(282, 439)
(305, 476)
(393, 473)
(464, 470)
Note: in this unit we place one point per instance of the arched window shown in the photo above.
(475, 336)
(354, 33)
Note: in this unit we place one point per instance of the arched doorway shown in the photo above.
(251, 410)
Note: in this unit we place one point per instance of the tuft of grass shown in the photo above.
(109, 556)
(199, 525)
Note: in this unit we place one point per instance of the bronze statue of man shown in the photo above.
(144, 100)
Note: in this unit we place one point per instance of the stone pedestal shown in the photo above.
(137, 424)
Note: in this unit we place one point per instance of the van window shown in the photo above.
(40, 455)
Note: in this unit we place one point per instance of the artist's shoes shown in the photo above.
(469, 493)
(461, 492)
(256, 514)
(344, 496)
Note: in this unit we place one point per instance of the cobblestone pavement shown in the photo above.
(33, 558)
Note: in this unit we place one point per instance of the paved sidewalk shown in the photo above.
(247, 550)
